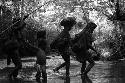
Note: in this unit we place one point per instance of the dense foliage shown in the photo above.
(51, 12)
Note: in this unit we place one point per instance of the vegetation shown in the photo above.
(108, 34)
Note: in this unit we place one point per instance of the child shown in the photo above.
(40, 64)
(82, 45)
(62, 43)
(11, 49)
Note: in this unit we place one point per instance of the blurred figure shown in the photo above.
(11, 48)
(13, 45)
(41, 65)
(81, 44)
(62, 43)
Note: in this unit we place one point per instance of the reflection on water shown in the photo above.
(103, 72)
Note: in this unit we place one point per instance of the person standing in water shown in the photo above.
(62, 43)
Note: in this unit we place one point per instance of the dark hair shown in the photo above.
(68, 22)
(91, 26)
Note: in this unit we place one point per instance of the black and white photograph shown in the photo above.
(62, 41)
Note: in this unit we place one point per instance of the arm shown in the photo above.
(98, 54)
(89, 42)
(90, 46)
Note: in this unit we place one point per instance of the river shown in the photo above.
(102, 72)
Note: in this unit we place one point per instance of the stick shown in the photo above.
(23, 19)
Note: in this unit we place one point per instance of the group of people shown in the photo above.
(78, 47)
(13, 46)
(66, 46)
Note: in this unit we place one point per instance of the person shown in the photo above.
(80, 46)
(62, 43)
(82, 43)
(12, 46)
(41, 65)
(12, 50)
(40, 54)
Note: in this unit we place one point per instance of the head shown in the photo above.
(68, 23)
(90, 27)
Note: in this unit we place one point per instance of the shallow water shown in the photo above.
(102, 72)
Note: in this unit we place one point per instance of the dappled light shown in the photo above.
(51, 12)
(62, 41)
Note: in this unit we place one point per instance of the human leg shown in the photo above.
(66, 58)
(16, 70)
(67, 67)
(63, 64)
(44, 74)
(59, 67)
(91, 63)
(81, 57)
(18, 64)
(83, 67)
(38, 69)
(41, 69)
(40, 63)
